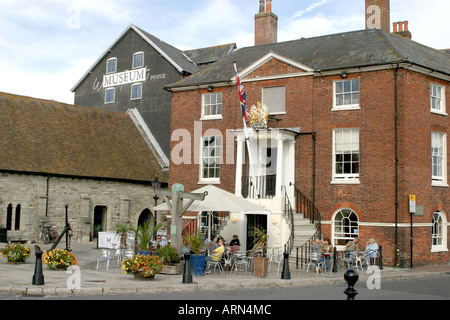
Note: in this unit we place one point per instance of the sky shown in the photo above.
(46, 46)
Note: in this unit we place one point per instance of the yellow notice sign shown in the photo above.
(412, 203)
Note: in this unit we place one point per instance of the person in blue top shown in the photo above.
(372, 250)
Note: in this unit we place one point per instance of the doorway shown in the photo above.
(254, 222)
(145, 217)
(99, 219)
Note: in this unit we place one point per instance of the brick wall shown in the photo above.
(309, 102)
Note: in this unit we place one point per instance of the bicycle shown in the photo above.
(48, 234)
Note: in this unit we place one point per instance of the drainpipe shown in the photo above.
(46, 198)
(396, 163)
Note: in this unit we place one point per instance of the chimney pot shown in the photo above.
(266, 24)
(262, 6)
(269, 6)
(395, 26)
(406, 26)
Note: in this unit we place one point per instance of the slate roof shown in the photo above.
(204, 56)
(47, 137)
(361, 48)
(188, 62)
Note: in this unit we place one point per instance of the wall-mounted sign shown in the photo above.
(126, 77)
(412, 203)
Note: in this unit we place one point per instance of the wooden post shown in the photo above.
(177, 210)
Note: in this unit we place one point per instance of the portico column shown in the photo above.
(239, 162)
(280, 162)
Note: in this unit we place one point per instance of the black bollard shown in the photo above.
(286, 274)
(380, 258)
(335, 258)
(187, 275)
(351, 276)
(38, 277)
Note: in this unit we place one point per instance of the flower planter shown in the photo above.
(138, 277)
(261, 266)
(197, 264)
(174, 269)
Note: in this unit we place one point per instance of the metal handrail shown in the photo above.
(190, 228)
(258, 187)
(289, 212)
(309, 210)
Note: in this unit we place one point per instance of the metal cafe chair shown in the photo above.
(314, 258)
(104, 255)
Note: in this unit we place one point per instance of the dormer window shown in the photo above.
(138, 60)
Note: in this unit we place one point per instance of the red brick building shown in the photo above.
(358, 122)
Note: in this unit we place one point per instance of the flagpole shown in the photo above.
(247, 138)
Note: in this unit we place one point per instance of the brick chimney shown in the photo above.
(266, 24)
(401, 29)
(378, 15)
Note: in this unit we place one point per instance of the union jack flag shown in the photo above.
(242, 96)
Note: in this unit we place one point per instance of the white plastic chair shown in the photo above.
(104, 255)
(314, 259)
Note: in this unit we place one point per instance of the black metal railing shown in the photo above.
(289, 213)
(260, 187)
(309, 210)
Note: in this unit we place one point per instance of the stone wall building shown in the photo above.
(53, 154)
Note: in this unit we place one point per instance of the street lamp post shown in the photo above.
(155, 185)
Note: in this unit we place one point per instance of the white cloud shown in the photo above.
(47, 45)
(310, 8)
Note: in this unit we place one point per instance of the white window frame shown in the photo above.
(134, 63)
(268, 104)
(350, 106)
(437, 98)
(344, 231)
(211, 106)
(350, 178)
(113, 62)
(439, 232)
(439, 155)
(114, 95)
(211, 158)
(136, 85)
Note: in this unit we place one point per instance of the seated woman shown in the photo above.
(372, 250)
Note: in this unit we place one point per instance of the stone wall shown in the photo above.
(124, 201)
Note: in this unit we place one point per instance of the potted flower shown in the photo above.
(171, 260)
(16, 252)
(59, 259)
(197, 260)
(259, 252)
(143, 267)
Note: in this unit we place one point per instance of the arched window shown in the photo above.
(345, 226)
(439, 232)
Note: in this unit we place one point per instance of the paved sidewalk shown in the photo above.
(18, 278)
